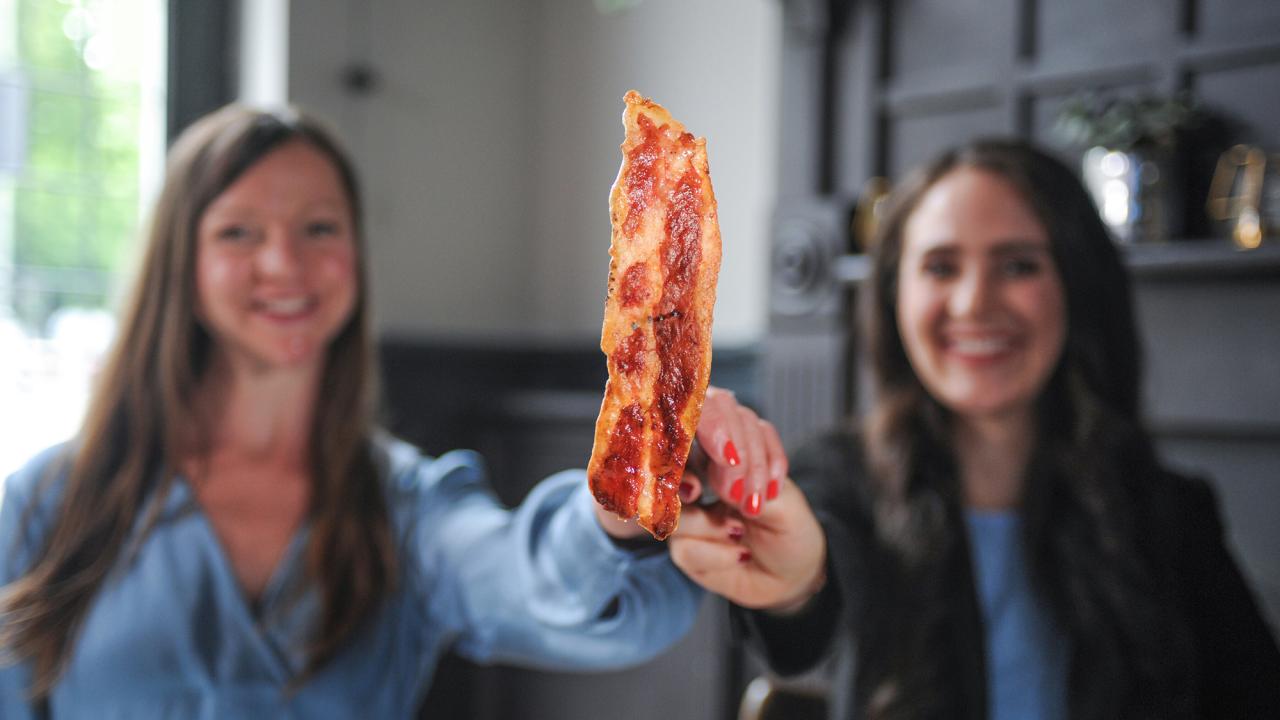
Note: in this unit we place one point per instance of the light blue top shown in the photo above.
(1026, 653)
(171, 634)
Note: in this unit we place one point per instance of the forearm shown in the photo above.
(548, 586)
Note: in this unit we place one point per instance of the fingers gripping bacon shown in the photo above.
(664, 259)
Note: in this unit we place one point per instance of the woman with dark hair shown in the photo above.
(1000, 540)
(230, 536)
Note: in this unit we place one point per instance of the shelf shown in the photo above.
(1177, 259)
(1205, 259)
(1214, 430)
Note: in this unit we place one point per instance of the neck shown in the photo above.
(993, 453)
(260, 413)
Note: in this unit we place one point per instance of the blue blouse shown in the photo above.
(1026, 652)
(171, 634)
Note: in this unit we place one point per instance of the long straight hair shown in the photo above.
(1091, 452)
(137, 430)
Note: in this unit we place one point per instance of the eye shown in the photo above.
(1020, 266)
(234, 233)
(322, 228)
(939, 268)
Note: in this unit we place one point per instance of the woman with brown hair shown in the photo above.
(230, 536)
(1000, 540)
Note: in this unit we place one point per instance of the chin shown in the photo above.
(280, 357)
(987, 408)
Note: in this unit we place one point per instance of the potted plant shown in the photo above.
(1129, 144)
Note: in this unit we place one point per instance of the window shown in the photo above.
(82, 98)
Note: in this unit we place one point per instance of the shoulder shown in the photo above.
(29, 507)
(1235, 646)
(1180, 525)
(40, 480)
(1185, 504)
(1180, 488)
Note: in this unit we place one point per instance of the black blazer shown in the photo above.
(1236, 661)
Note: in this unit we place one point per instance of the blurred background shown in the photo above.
(486, 133)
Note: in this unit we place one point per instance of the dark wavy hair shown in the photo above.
(141, 422)
(1091, 452)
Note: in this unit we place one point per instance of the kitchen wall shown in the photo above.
(487, 137)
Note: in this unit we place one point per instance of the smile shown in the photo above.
(285, 308)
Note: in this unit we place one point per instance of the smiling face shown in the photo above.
(276, 261)
(980, 304)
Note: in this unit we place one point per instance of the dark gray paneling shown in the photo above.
(1234, 21)
(526, 435)
(914, 139)
(965, 37)
(805, 382)
(1248, 95)
(800, 93)
(685, 683)
(1213, 351)
(857, 69)
(1085, 34)
(202, 46)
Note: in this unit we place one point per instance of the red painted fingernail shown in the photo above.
(753, 504)
(771, 490)
(686, 491)
(735, 533)
(744, 556)
(731, 454)
(736, 489)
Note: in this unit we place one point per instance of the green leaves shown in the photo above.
(1126, 123)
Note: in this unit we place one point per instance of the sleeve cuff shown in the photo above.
(792, 644)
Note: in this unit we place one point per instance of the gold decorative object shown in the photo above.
(1248, 231)
(866, 218)
(1236, 194)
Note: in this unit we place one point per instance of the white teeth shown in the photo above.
(980, 346)
(285, 306)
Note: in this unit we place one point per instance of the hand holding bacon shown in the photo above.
(761, 546)
(771, 560)
(736, 454)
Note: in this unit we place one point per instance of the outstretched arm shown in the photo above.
(542, 584)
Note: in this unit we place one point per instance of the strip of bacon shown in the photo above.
(664, 259)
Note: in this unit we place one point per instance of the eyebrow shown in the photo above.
(1002, 247)
(238, 211)
(1019, 245)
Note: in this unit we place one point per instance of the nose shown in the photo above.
(972, 294)
(279, 255)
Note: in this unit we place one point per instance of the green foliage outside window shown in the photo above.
(76, 193)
